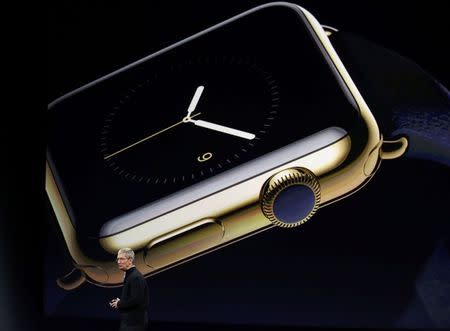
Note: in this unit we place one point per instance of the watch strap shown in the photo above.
(406, 101)
(404, 98)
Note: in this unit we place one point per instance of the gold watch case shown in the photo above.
(210, 224)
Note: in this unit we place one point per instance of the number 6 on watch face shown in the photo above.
(179, 152)
(204, 157)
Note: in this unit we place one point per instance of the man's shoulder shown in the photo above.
(136, 273)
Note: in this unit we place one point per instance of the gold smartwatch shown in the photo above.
(256, 122)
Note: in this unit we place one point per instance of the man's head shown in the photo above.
(125, 258)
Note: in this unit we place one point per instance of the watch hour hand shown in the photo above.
(194, 101)
(223, 129)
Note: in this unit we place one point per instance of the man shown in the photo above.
(134, 300)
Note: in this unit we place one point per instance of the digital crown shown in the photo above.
(290, 197)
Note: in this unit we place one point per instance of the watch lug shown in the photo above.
(72, 280)
(392, 149)
(329, 30)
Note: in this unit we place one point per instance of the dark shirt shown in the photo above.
(134, 300)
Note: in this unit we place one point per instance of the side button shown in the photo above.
(183, 243)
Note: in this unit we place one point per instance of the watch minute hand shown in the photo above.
(223, 129)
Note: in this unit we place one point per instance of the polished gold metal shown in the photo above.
(392, 149)
(183, 243)
(236, 210)
(146, 138)
(279, 182)
(359, 170)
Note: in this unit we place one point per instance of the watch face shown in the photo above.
(189, 120)
(187, 113)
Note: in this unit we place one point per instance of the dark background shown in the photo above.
(354, 264)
